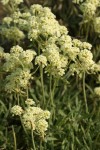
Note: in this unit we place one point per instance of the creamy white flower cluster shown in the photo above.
(17, 18)
(57, 51)
(12, 34)
(17, 66)
(43, 22)
(15, 25)
(1, 52)
(56, 46)
(97, 25)
(16, 110)
(14, 2)
(89, 8)
(97, 91)
(33, 118)
(84, 61)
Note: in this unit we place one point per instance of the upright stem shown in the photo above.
(27, 136)
(41, 144)
(27, 92)
(14, 136)
(33, 143)
(84, 93)
(51, 92)
(18, 98)
(42, 84)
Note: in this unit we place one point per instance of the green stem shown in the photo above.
(33, 143)
(27, 136)
(42, 84)
(18, 98)
(27, 92)
(51, 92)
(41, 144)
(14, 136)
(84, 93)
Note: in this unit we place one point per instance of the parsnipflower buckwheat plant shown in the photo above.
(41, 55)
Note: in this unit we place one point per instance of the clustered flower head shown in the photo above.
(17, 65)
(97, 91)
(97, 25)
(56, 50)
(33, 118)
(41, 60)
(1, 52)
(88, 8)
(13, 34)
(16, 110)
(84, 61)
(14, 2)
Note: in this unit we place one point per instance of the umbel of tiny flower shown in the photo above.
(16, 110)
(41, 61)
(14, 2)
(57, 53)
(89, 8)
(97, 91)
(97, 25)
(33, 118)
(19, 64)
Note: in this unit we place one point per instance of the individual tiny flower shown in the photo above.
(16, 110)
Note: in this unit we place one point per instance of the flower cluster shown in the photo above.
(42, 23)
(16, 110)
(17, 66)
(14, 2)
(57, 51)
(89, 8)
(97, 25)
(97, 91)
(1, 52)
(33, 118)
(41, 60)
(84, 61)
(12, 33)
